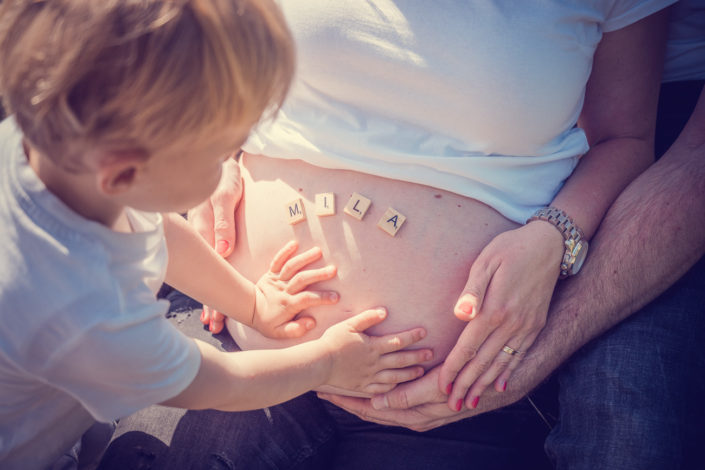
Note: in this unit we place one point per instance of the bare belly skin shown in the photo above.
(417, 274)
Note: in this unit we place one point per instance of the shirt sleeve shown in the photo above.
(119, 366)
(626, 12)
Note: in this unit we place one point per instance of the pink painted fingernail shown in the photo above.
(203, 316)
(222, 246)
(458, 405)
(211, 327)
(474, 402)
(465, 307)
(449, 388)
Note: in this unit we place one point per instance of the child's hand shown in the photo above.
(281, 295)
(372, 364)
(505, 301)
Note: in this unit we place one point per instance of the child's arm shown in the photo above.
(343, 357)
(511, 283)
(269, 306)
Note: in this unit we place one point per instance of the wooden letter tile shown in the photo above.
(391, 221)
(295, 211)
(325, 204)
(357, 206)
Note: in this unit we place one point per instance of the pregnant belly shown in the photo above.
(417, 274)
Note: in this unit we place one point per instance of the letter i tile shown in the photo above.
(391, 221)
(325, 204)
(357, 206)
(295, 211)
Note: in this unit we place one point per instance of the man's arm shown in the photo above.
(653, 233)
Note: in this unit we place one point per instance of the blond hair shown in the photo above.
(139, 73)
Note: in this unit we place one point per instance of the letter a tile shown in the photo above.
(325, 204)
(357, 206)
(391, 221)
(295, 211)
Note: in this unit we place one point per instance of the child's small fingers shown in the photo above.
(367, 319)
(283, 255)
(303, 279)
(311, 298)
(397, 376)
(298, 262)
(295, 328)
(397, 341)
(400, 359)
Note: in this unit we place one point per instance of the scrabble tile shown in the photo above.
(325, 204)
(391, 221)
(357, 206)
(295, 211)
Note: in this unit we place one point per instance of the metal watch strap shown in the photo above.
(571, 232)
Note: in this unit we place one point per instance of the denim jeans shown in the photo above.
(635, 397)
(309, 434)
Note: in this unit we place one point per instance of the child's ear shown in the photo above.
(118, 170)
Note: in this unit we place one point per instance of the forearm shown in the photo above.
(247, 380)
(619, 119)
(198, 271)
(653, 233)
(600, 177)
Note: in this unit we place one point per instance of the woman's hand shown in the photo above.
(372, 364)
(505, 302)
(214, 220)
(280, 294)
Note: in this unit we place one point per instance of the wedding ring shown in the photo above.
(510, 351)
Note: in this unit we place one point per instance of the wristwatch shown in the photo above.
(576, 247)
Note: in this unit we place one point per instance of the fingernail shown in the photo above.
(380, 403)
(458, 405)
(504, 385)
(333, 296)
(465, 307)
(309, 324)
(222, 246)
(475, 400)
(382, 312)
(449, 388)
(203, 316)
(210, 326)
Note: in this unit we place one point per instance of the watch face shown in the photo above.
(579, 253)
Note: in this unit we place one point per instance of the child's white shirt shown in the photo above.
(82, 335)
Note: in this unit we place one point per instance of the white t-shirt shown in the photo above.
(82, 334)
(480, 98)
(685, 49)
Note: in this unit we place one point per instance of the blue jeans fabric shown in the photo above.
(635, 397)
(307, 433)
